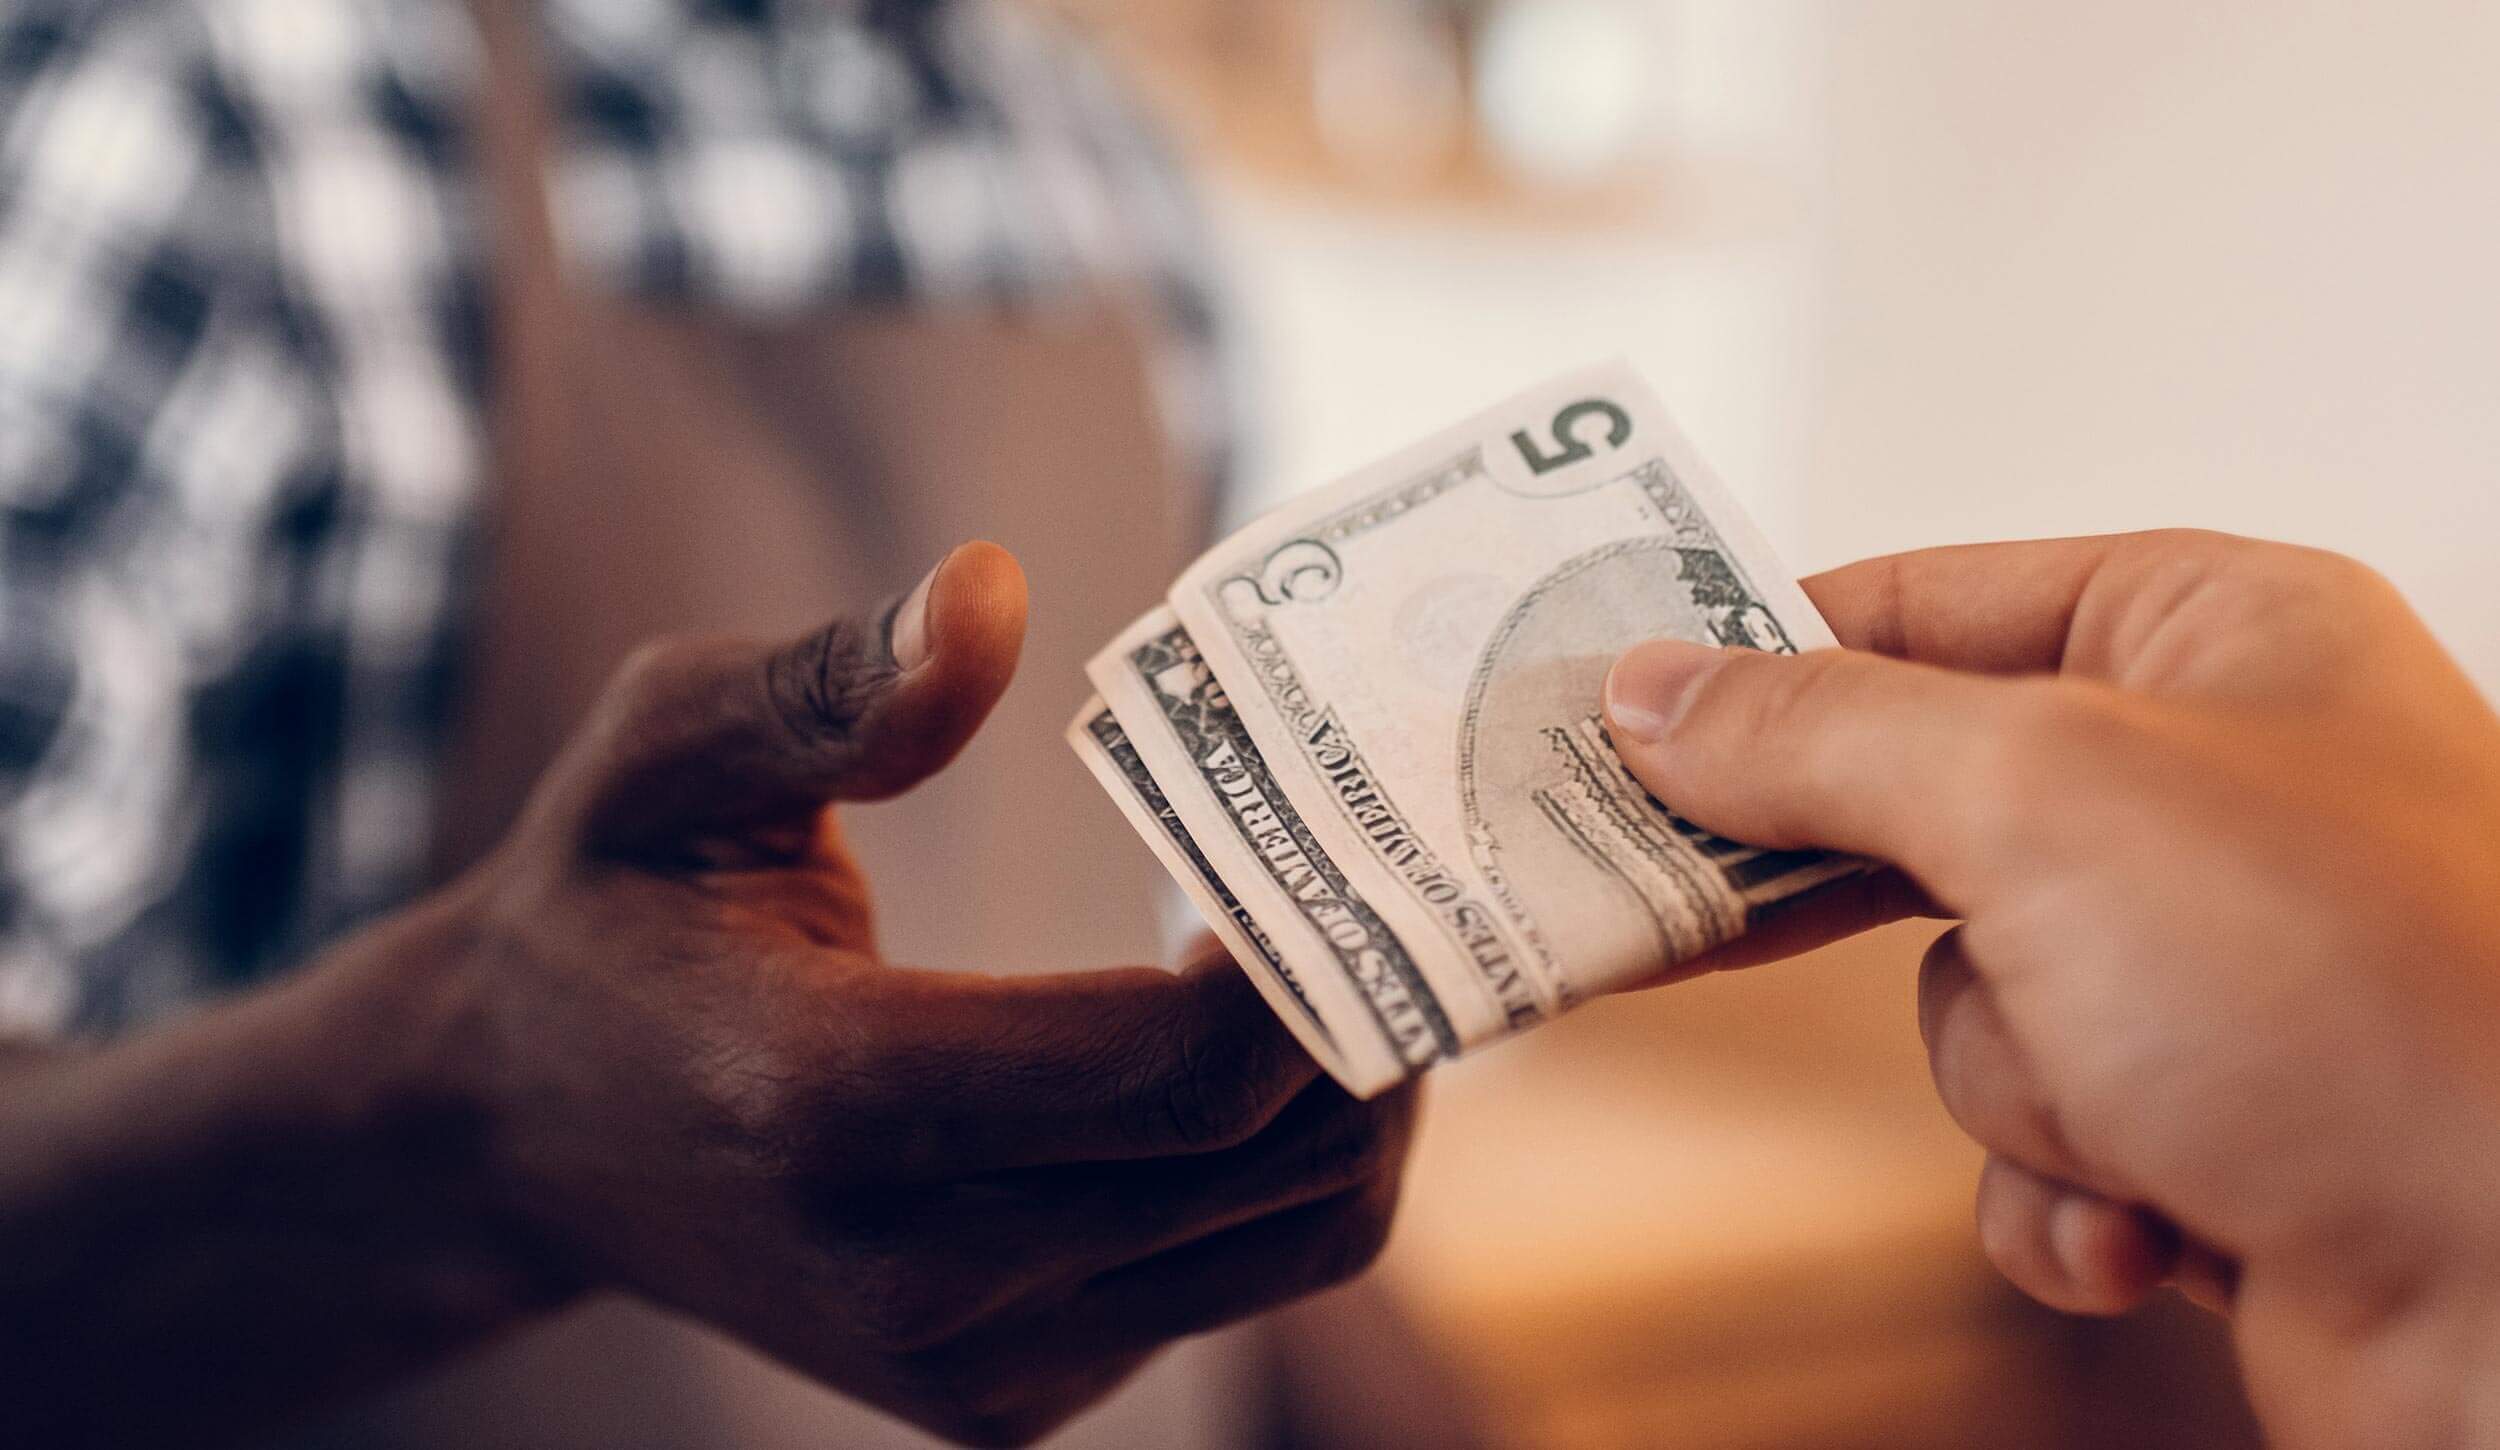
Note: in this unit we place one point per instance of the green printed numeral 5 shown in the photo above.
(1569, 446)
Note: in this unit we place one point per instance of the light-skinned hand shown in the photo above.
(2221, 823)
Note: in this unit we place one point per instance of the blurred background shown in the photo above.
(1917, 272)
(1909, 273)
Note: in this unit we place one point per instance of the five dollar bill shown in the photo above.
(1363, 733)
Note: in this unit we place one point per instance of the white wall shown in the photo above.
(1952, 269)
(2233, 263)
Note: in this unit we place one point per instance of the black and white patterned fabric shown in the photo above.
(243, 330)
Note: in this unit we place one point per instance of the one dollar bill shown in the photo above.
(1363, 734)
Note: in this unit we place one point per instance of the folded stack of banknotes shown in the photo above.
(1364, 734)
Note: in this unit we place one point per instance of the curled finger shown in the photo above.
(2068, 1248)
(1983, 1072)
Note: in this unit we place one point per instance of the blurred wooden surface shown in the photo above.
(1731, 1214)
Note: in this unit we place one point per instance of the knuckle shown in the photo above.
(2323, 569)
(2273, 586)
(2047, 735)
(648, 667)
(2346, 604)
(758, 1101)
(823, 686)
(1779, 694)
(2043, 1123)
(881, 1091)
(798, 1089)
(1206, 1106)
(1790, 702)
(873, 1053)
(650, 675)
(1202, 1094)
(1352, 1145)
(636, 715)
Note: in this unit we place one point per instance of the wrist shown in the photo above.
(279, 1200)
(397, 1076)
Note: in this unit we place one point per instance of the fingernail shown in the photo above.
(1652, 685)
(910, 630)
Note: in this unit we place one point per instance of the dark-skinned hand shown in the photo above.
(652, 1044)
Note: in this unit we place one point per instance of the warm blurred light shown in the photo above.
(1562, 86)
(1386, 87)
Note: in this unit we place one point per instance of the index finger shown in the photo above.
(1008, 1072)
(2007, 608)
